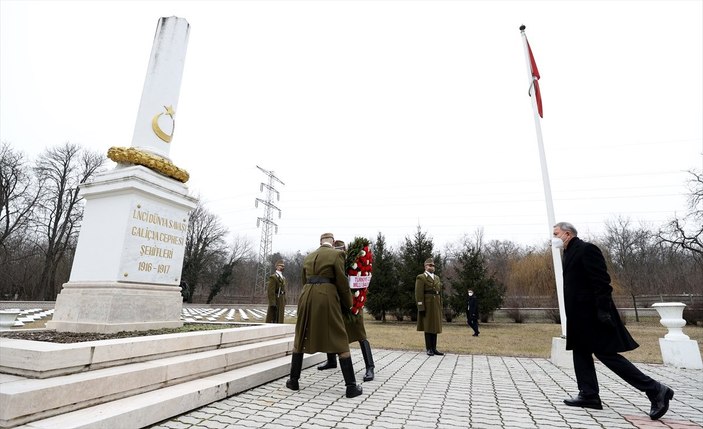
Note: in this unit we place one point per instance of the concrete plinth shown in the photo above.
(127, 269)
(108, 307)
(560, 356)
(681, 353)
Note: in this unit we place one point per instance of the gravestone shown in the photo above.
(127, 268)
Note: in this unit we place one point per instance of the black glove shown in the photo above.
(605, 319)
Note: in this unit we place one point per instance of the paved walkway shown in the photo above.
(412, 390)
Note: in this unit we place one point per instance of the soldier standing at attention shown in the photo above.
(320, 323)
(276, 295)
(429, 306)
(355, 332)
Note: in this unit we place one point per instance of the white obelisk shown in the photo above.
(156, 115)
(127, 269)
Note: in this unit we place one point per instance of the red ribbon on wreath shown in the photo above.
(359, 265)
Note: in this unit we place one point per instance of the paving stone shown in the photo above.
(211, 424)
(174, 424)
(251, 424)
(234, 414)
(414, 391)
(189, 419)
(346, 425)
(227, 420)
(201, 414)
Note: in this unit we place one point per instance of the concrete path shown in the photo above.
(412, 390)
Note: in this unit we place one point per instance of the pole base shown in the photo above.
(560, 356)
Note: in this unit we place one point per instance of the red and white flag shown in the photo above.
(535, 80)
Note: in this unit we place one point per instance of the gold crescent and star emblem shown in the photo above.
(157, 129)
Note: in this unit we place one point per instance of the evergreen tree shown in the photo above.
(413, 254)
(384, 286)
(471, 273)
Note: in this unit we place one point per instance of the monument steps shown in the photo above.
(152, 407)
(143, 380)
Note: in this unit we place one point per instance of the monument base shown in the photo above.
(127, 268)
(560, 356)
(681, 353)
(108, 307)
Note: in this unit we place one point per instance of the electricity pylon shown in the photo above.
(263, 268)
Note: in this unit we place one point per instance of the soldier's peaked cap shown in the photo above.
(280, 262)
(327, 235)
(429, 261)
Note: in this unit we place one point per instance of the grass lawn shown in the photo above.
(498, 338)
(504, 338)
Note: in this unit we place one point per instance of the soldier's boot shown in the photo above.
(296, 365)
(434, 346)
(428, 344)
(368, 359)
(349, 379)
(331, 362)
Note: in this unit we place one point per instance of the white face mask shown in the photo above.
(557, 243)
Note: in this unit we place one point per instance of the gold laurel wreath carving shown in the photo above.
(160, 165)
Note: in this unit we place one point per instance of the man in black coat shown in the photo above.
(593, 325)
(472, 312)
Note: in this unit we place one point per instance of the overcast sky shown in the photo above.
(382, 116)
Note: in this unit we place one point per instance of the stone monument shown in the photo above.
(127, 268)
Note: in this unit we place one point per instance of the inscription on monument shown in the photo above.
(154, 245)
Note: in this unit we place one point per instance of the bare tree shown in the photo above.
(241, 250)
(687, 232)
(499, 257)
(204, 249)
(62, 169)
(18, 193)
(294, 270)
(631, 252)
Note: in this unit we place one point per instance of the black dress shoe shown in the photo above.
(660, 403)
(430, 353)
(585, 402)
(437, 352)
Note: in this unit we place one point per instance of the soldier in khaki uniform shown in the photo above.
(276, 295)
(429, 306)
(355, 332)
(320, 323)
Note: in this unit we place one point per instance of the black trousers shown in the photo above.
(473, 323)
(586, 372)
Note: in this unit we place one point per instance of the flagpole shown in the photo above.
(556, 256)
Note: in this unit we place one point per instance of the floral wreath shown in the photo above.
(359, 264)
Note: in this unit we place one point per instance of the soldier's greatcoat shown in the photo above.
(355, 327)
(320, 323)
(277, 299)
(429, 313)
